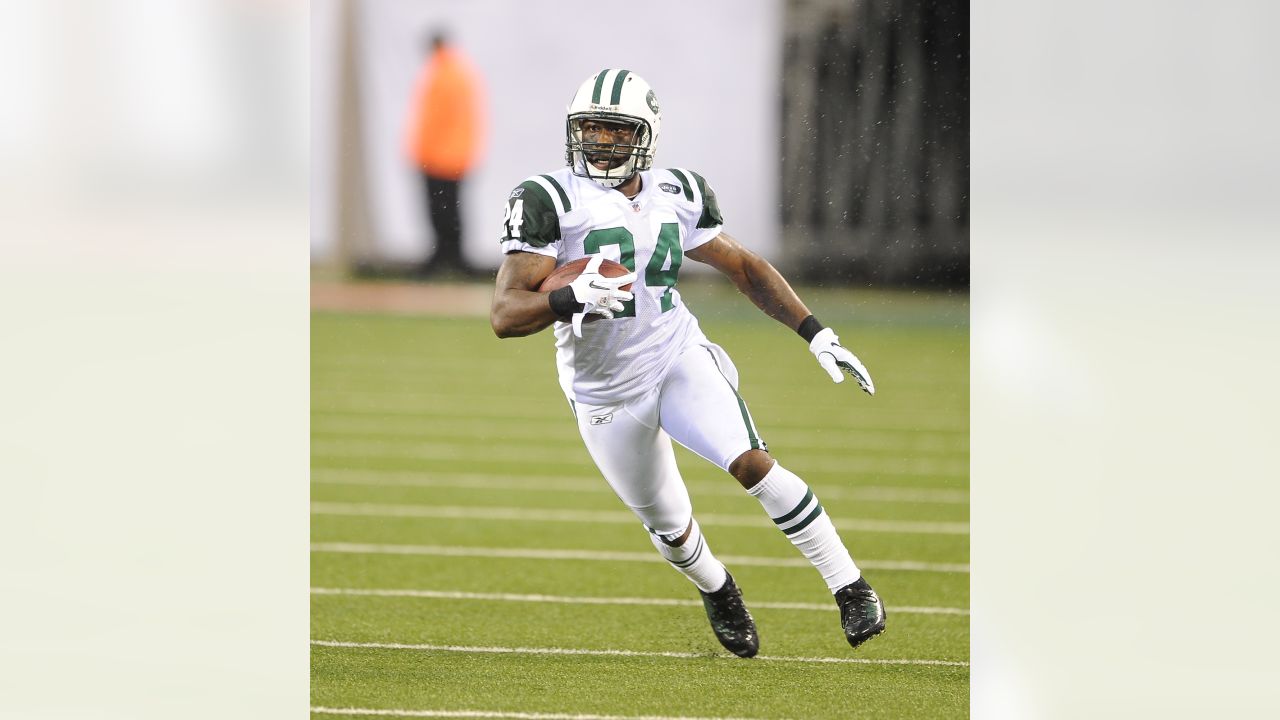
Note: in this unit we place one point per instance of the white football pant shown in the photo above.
(698, 406)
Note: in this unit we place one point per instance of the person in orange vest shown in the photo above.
(445, 135)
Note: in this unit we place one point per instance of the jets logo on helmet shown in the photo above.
(612, 128)
(652, 101)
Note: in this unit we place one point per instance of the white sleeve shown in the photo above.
(698, 237)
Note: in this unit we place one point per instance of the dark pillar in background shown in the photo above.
(875, 166)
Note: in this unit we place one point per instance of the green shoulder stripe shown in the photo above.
(710, 207)
(564, 198)
(684, 181)
(531, 215)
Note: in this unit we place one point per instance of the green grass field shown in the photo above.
(467, 560)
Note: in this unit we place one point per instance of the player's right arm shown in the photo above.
(518, 308)
(517, 312)
(530, 239)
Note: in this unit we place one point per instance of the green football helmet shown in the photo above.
(613, 97)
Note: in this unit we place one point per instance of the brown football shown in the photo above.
(570, 271)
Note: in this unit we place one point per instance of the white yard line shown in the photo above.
(580, 600)
(423, 450)
(497, 714)
(418, 364)
(535, 483)
(500, 407)
(397, 395)
(627, 653)
(612, 517)
(470, 430)
(648, 557)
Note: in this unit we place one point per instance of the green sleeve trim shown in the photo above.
(710, 206)
(538, 223)
(688, 189)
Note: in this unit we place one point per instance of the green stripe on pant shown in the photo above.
(742, 406)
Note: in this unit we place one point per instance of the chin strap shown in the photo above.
(610, 182)
(588, 171)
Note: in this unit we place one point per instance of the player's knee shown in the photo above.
(671, 541)
(750, 467)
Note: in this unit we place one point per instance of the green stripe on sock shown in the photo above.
(796, 510)
(688, 191)
(617, 86)
(805, 523)
(692, 559)
(595, 93)
(564, 199)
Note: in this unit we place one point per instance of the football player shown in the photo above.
(636, 367)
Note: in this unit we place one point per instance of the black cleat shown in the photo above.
(730, 620)
(861, 612)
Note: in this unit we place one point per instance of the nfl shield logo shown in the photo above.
(635, 206)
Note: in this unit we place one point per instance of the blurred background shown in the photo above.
(155, 246)
(835, 133)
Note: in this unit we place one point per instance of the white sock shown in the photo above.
(694, 559)
(797, 512)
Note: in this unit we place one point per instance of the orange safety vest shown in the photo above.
(446, 122)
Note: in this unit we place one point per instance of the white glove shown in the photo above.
(601, 295)
(833, 358)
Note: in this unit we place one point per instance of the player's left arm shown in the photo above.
(760, 281)
(754, 277)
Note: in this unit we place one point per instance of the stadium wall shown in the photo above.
(716, 66)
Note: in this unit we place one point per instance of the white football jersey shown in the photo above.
(567, 217)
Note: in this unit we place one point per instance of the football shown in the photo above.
(570, 271)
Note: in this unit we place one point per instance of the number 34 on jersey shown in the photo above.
(566, 217)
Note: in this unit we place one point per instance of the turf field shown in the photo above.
(467, 561)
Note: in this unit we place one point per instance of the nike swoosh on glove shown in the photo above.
(834, 358)
(598, 294)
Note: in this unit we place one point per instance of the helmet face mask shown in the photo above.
(621, 160)
(614, 100)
